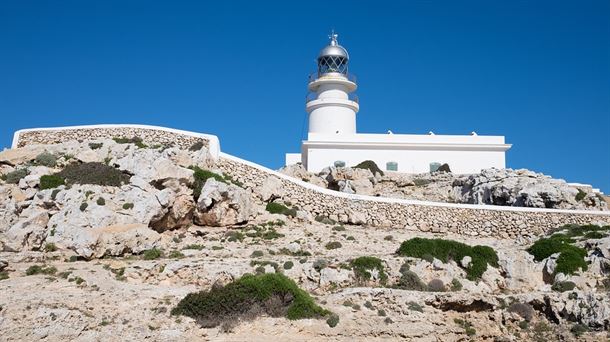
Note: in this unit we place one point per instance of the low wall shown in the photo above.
(149, 134)
(466, 219)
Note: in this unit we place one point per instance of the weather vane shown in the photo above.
(333, 37)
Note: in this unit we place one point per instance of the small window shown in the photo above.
(391, 166)
(339, 163)
(434, 166)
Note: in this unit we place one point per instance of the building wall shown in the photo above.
(409, 161)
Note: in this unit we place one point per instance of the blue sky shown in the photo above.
(537, 72)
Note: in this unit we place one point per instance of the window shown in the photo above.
(391, 166)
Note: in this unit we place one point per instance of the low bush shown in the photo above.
(151, 254)
(3, 275)
(579, 329)
(363, 266)
(201, 176)
(257, 254)
(278, 208)
(571, 257)
(101, 201)
(128, 206)
(580, 195)
(444, 168)
(446, 250)
(93, 173)
(288, 265)
(46, 159)
(333, 245)
(50, 182)
(15, 176)
(456, 285)
(134, 140)
(83, 206)
(563, 286)
(415, 307)
(37, 269)
(325, 220)
(411, 281)
(95, 146)
(369, 165)
(175, 255)
(196, 146)
(466, 325)
(50, 247)
(333, 320)
(248, 297)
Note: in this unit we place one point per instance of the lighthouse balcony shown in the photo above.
(332, 75)
(310, 97)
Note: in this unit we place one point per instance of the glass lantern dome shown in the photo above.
(333, 58)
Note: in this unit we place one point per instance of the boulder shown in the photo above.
(222, 204)
(151, 165)
(270, 189)
(29, 231)
(113, 240)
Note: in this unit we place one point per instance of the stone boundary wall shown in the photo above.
(472, 220)
(150, 135)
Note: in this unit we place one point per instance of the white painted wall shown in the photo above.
(409, 161)
(293, 158)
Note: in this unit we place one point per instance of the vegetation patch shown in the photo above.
(466, 325)
(50, 182)
(333, 245)
(196, 146)
(436, 285)
(37, 269)
(128, 206)
(410, 281)
(50, 247)
(15, 176)
(248, 297)
(363, 266)
(201, 176)
(446, 250)
(325, 220)
(369, 165)
(46, 159)
(151, 254)
(95, 146)
(278, 208)
(580, 195)
(571, 258)
(134, 140)
(563, 286)
(93, 173)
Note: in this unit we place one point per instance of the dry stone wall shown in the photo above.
(150, 136)
(500, 222)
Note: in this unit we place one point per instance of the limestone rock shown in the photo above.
(270, 189)
(29, 231)
(223, 204)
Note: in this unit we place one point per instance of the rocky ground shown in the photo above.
(109, 260)
(506, 187)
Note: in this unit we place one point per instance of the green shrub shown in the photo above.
(128, 206)
(569, 262)
(46, 159)
(95, 146)
(234, 236)
(446, 250)
(456, 285)
(333, 320)
(278, 208)
(411, 281)
(563, 286)
(36, 269)
(15, 176)
(196, 146)
(333, 245)
(50, 182)
(338, 228)
(176, 255)
(151, 254)
(595, 235)
(579, 329)
(93, 173)
(50, 247)
(134, 140)
(381, 312)
(325, 220)
(54, 194)
(369, 165)
(363, 266)
(3, 275)
(193, 246)
(273, 294)
(288, 265)
(201, 176)
(580, 195)
(83, 206)
(415, 307)
(466, 325)
(257, 254)
(101, 201)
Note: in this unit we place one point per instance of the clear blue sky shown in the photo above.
(537, 72)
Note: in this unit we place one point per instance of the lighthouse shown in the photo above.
(332, 139)
(331, 104)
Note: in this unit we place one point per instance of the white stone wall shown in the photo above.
(474, 220)
(150, 135)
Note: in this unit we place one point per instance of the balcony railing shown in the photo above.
(314, 96)
(314, 76)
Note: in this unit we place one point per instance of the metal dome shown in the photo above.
(333, 49)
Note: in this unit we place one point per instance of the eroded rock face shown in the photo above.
(29, 232)
(113, 240)
(222, 204)
(521, 188)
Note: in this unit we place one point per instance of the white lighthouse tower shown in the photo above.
(331, 106)
(332, 139)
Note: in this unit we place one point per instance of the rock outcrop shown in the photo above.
(222, 204)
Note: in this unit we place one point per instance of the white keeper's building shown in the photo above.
(332, 138)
